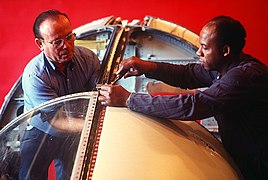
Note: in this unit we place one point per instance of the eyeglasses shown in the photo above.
(60, 42)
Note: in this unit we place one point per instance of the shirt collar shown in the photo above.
(237, 62)
(70, 65)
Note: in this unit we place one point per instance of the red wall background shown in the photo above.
(17, 16)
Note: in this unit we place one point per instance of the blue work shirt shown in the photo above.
(43, 81)
(238, 100)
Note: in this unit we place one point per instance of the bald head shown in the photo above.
(50, 14)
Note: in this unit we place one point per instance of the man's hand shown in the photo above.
(136, 66)
(113, 95)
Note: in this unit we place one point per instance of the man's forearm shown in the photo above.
(67, 124)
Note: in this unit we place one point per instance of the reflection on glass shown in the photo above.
(71, 111)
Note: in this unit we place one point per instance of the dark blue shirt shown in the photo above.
(43, 81)
(238, 100)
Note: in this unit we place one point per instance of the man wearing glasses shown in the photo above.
(60, 69)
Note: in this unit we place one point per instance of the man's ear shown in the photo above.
(39, 44)
(226, 50)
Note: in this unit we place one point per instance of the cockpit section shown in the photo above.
(113, 40)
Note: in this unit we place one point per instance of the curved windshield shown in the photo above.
(97, 41)
(75, 110)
